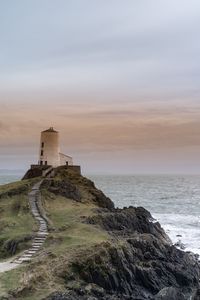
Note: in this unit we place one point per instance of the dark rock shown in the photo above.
(128, 221)
(35, 172)
(197, 295)
(137, 262)
(63, 188)
(124, 270)
(170, 293)
(75, 186)
(180, 245)
(101, 200)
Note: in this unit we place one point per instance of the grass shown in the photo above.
(69, 236)
(22, 186)
(70, 232)
(16, 221)
(9, 281)
(14, 215)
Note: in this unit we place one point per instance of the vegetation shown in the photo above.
(123, 254)
(70, 231)
(16, 222)
(69, 236)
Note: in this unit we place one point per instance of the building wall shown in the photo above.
(65, 160)
(49, 148)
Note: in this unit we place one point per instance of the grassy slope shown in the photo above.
(67, 239)
(16, 221)
(70, 231)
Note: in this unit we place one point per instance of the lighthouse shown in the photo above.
(50, 157)
(49, 150)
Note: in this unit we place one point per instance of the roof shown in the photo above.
(65, 155)
(50, 130)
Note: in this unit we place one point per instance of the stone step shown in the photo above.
(29, 250)
(41, 234)
(37, 244)
(22, 258)
(17, 262)
(32, 252)
(27, 256)
(38, 241)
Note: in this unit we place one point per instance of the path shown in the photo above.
(40, 237)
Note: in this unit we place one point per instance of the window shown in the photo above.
(46, 162)
(42, 152)
(42, 145)
(41, 163)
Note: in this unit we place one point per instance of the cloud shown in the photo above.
(112, 77)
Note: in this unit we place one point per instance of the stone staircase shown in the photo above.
(48, 172)
(42, 233)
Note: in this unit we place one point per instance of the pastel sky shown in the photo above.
(119, 79)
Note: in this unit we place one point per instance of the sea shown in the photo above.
(173, 200)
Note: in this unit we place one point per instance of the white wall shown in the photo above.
(65, 158)
(51, 148)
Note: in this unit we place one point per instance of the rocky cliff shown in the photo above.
(95, 251)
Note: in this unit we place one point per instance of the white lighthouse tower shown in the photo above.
(50, 150)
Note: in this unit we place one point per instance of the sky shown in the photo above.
(118, 79)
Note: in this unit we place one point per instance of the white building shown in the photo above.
(50, 150)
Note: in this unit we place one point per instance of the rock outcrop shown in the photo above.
(134, 258)
(138, 262)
